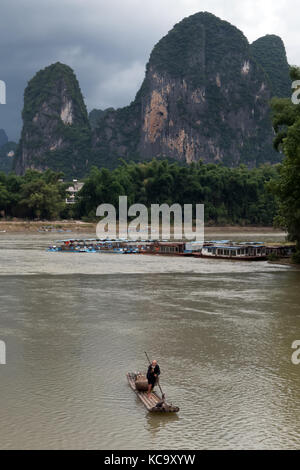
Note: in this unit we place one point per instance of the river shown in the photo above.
(74, 324)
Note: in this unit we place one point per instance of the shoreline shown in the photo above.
(78, 225)
(17, 226)
(285, 262)
(22, 226)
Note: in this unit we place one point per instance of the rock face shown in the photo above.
(205, 96)
(56, 131)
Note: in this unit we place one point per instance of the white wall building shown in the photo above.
(73, 190)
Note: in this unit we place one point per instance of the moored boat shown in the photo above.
(240, 252)
(222, 249)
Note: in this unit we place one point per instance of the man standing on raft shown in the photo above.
(152, 375)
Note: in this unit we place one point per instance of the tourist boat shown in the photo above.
(281, 251)
(95, 245)
(54, 248)
(165, 248)
(222, 249)
(249, 251)
(153, 402)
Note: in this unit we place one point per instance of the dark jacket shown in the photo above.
(151, 373)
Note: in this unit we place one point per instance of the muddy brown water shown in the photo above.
(74, 324)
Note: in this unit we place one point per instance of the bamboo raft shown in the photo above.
(153, 402)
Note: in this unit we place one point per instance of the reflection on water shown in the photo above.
(157, 422)
(222, 333)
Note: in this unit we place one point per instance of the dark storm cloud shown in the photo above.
(108, 43)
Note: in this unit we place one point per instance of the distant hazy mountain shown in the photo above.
(3, 137)
(7, 153)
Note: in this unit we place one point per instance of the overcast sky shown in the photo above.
(108, 42)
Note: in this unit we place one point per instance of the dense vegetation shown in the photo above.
(35, 195)
(42, 88)
(264, 50)
(231, 196)
(192, 48)
(286, 120)
(46, 141)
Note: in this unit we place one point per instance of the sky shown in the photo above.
(108, 42)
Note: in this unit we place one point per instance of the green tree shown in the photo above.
(231, 196)
(4, 199)
(42, 200)
(286, 120)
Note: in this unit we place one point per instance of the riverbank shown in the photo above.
(286, 262)
(25, 226)
(16, 226)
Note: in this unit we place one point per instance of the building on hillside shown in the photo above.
(72, 191)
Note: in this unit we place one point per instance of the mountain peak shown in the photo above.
(204, 97)
(202, 37)
(56, 131)
(269, 51)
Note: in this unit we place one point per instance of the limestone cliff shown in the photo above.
(205, 96)
(56, 131)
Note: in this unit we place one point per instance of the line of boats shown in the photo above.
(221, 249)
